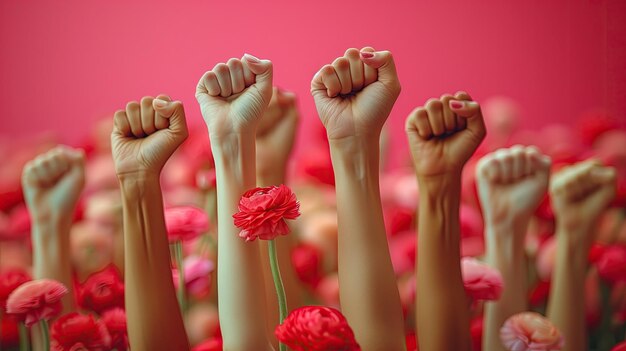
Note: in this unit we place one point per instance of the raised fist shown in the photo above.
(581, 192)
(234, 95)
(146, 134)
(354, 95)
(53, 182)
(444, 134)
(276, 133)
(512, 182)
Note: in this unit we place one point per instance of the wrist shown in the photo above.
(356, 160)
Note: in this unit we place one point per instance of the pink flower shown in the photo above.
(197, 275)
(36, 300)
(530, 331)
(9, 281)
(481, 282)
(115, 322)
(262, 212)
(316, 328)
(185, 222)
(76, 331)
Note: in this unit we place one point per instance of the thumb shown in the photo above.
(471, 111)
(603, 174)
(263, 71)
(77, 156)
(174, 111)
(383, 62)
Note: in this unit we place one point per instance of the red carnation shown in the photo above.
(262, 212)
(185, 223)
(9, 281)
(36, 300)
(316, 328)
(115, 321)
(102, 291)
(612, 264)
(75, 331)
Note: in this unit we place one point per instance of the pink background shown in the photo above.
(64, 64)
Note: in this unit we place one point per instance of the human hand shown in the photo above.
(146, 134)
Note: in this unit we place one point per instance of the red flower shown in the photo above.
(185, 223)
(9, 333)
(528, 331)
(262, 212)
(481, 282)
(9, 281)
(75, 331)
(212, 344)
(476, 332)
(619, 347)
(102, 291)
(115, 321)
(36, 300)
(316, 328)
(612, 264)
(307, 260)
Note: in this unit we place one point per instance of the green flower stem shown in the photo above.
(606, 336)
(45, 334)
(180, 293)
(278, 284)
(24, 343)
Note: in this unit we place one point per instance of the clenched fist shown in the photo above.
(234, 95)
(581, 192)
(276, 134)
(512, 182)
(146, 134)
(354, 95)
(444, 134)
(53, 182)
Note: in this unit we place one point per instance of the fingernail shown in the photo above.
(456, 105)
(603, 173)
(251, 59)
(160, 103)
(367, 54)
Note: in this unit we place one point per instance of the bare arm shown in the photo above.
(511, 184)
(232, 98)
(579, 195)
(354, 97)
(144, 137)
(442, 136)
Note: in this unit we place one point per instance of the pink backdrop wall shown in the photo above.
(65, 64)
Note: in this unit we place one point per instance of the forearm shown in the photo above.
(51, 254)
(505, 252)
(442, 307)
(154, 318)
(565, 306)
(240, 277)
(368, 289)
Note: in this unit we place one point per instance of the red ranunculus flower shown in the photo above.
(115, 321)
(102, 291)
(612, 264)
(307, 261)
(262, 212)
(75, 331)
(212, 344)
(185, 222)
(316, 328)
(619, 347)
(36, 300)
(9, 281)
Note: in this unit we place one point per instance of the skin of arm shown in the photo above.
(52, 184)
(354, 97)
(579, 193)
(144, 137)
(274, 142)
(442, 136)
(232, 98)
(511, 183)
